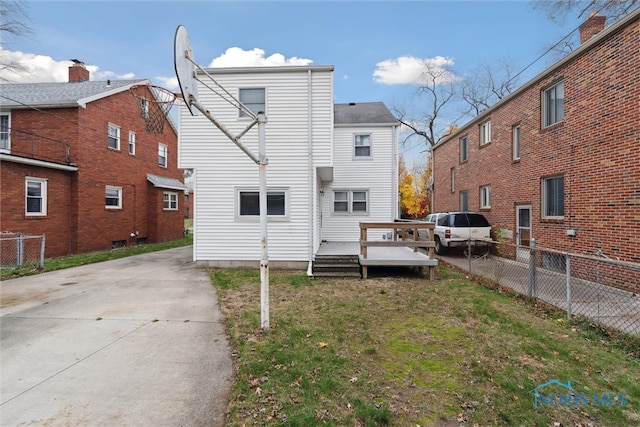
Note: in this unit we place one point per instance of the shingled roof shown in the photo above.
(369, 113)
(59, 95)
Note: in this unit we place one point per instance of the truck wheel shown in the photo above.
(440, 250)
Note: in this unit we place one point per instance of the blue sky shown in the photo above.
(366, 41)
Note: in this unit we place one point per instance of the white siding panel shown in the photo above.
(375, 175)
(222, 167)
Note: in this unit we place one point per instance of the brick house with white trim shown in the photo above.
(78, 166)
(559, 158)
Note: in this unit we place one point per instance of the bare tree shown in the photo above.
(488, 84)
(438, 89)
(14, 23)
(437, 93)
(557, 11)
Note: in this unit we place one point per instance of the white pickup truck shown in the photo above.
(456, 229)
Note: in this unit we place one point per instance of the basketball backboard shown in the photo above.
(185, 69)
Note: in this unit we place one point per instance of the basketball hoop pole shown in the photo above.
(264, 258)
(262, 162)
(186, 74)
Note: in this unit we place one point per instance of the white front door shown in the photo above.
(523, 232)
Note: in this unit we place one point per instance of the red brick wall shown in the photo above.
(596, 148)
(91, 226)
(55, 225)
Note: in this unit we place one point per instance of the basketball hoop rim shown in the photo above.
(171, 96)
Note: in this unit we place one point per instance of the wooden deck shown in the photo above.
(401, 249)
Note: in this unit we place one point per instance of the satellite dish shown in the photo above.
(185, 69)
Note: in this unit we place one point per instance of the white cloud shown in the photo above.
(170, 83)
(42, 69)
(237, 57)
(412, 70)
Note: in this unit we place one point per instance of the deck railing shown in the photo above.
(399, 234)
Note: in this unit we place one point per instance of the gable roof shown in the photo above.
(365, 113)
(60, 95)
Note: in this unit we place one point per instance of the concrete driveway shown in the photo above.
(138, 341)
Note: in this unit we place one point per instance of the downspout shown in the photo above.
(395, 189)
(311, 183)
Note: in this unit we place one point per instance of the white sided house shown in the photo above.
(331, 166)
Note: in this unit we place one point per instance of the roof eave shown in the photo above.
(84, 101)
(585, 47)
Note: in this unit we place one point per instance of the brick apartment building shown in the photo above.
(559, 158)
(78, 165)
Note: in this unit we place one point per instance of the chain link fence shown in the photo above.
(591, 285)
(21, 251)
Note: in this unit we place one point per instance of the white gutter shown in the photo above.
(40, 163)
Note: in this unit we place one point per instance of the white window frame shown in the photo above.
(516, 135)
(271, 192)
(485, 132)
(362, 144)
(163, 155)
(351, 198)
(464, 142)
(254, 107)
(132, 143)
(546, 208)
(453, 180)
(464, 201)
(553, 104)
(118, 197)
(170, 201)
(485, 197)
(5, 134)
(43, 196)
(113, 134)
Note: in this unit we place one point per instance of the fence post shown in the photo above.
(532, 268)
(568, 286)
(20, 250)
(42, 251)
(469, 251)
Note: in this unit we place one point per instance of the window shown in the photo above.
(515, 142)
(341, 201)
(144, 108)
(5, 132)
(114, 137)
(553, 197)
(351, 201)
(249, 203)
(464, 152)
(162, 155)
(36, 197)
(170, 202)
(362, 146)
(113, 197)
(463, 201)
(553, 104)
(485, 197)
(132, 143)
(453, 180)
(485, 133)
(254, 100)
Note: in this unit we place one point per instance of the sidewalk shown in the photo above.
(135, 341)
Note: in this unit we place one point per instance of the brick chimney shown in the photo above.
(78, 72)
(592, 26)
